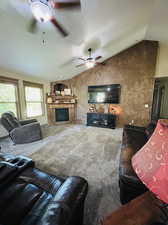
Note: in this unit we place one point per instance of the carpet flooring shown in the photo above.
(90, 152)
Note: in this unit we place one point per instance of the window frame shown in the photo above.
(35, 85)
(15, 82)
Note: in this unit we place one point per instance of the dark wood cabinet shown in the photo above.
(105, 120)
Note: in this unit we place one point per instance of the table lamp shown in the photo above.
(151, 162)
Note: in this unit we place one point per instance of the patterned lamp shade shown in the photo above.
(151, 162)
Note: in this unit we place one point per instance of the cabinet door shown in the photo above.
(112, 120)
(92, 117)
(103, 117)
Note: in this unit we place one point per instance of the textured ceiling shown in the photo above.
(108, 26)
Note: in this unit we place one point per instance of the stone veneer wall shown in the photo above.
(134, 69)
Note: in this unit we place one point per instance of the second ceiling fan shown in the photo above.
(90, 61)
(42, 12)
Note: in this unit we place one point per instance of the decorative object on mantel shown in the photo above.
(49, 99)
(62, 93)
(73, 100)
(58, 93)
(58, 88)
(67, 91)
(58, 99)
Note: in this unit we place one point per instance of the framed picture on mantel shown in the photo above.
(67, 91)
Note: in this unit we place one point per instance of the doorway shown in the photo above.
(160, 99)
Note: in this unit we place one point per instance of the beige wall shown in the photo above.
(162, 60)
(41, 119)
(134, 69)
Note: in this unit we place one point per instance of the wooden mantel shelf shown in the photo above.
(64, 97)
(61, 103)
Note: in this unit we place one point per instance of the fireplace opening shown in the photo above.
(61, 115)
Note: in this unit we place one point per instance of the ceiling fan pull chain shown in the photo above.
(43, 37)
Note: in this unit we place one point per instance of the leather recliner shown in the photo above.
(29, 196)
(134, 138)
(23, 131)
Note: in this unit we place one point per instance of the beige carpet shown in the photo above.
(90, 152)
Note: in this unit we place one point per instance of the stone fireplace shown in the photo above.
(61, 104)
(59, 113)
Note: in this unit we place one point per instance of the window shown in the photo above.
(8, 96)
(34, 99)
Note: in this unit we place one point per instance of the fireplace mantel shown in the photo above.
(51, 112)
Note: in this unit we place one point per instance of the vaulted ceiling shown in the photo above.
(107, 26)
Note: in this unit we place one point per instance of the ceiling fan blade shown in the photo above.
(98, 57)
(63, 5)
(32, 26)
(102, 63)
(62, 31)
(80, 65)
(81, 59)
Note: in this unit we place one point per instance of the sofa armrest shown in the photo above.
(72, 191)
(24, 122)
(26, 134)
(15, 160)
(144, 210)
(63, 207)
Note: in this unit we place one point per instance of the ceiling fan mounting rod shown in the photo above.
(90, 52)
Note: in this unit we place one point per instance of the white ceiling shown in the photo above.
(108, 26)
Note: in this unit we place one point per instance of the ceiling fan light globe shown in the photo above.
(90, 64)
(41, 11)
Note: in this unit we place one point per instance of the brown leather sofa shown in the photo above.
(143, 210)
(29, 196)
(134, 138)
(141, 207)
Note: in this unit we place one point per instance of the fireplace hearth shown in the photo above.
(61, 114)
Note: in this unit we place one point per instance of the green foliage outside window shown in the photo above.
(7, 98)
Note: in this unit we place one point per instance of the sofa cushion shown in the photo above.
(134, 138)
(45, 181)
(125, 168)
(16, 200)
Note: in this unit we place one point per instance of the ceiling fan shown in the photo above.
(42, 11)
(90, 61)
